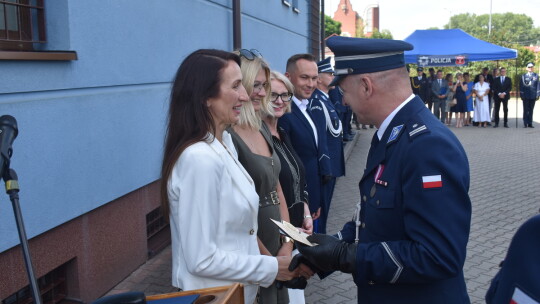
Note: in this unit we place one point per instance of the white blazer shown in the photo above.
(213, 216)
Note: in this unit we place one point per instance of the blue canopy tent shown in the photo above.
(452, 47)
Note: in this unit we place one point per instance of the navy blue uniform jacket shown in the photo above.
(334, 143)
(529, 86)
(414, 233)
(313, 156)
(337, 100)
(519, 277)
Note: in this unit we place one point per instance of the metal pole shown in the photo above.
(517, 92)
(322, 29)
(237, 25)
(450, 20)
(12, 188)
(489, 25)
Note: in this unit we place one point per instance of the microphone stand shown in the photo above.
(12, 189)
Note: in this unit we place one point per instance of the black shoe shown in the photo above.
(506, 125)
(531, 126)
(489, 124)
(496, 125)
(371, 126)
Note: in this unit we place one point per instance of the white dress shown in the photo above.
(481, 107)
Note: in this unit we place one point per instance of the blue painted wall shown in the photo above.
(92, 130)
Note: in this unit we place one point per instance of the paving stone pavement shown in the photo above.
(504, 190)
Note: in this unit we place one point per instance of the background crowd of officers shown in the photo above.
(458, 94)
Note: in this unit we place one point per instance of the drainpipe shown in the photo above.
(322, 30)
(237, 26)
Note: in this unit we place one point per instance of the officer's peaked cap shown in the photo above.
(362, 55)
(324, 66)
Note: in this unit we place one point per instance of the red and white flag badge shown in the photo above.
(431, 181)
(519, 297)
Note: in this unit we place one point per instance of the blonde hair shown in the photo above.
(250, 69)
(275, 75)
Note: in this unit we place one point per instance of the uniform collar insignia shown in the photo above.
(394, 135)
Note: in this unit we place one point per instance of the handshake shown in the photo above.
(330, 254)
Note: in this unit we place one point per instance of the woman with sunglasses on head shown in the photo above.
(292, 176)
(208, 196)
(253, 141)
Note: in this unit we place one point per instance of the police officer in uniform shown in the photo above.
(341, 109)
(332, 126)
(408, 240)
(518, 280)
(420, 85)
(529, 90)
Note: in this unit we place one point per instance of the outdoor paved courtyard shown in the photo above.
(505, 176)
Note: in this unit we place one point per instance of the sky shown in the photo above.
(403, 17)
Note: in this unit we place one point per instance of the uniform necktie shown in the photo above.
(374, 143)
(440, 82)
(502, 79)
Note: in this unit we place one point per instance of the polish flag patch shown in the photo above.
(431, 181)
(519, 297)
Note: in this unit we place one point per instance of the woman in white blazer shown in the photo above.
(210, 198)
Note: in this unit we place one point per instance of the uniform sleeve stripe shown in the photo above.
(339, 235)
(422, 128)
(395, 260)
(323, 156)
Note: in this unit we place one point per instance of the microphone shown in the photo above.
(8, 133)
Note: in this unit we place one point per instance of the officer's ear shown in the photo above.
(365, 85)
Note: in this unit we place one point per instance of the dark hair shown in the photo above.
(466, 74)
(189, 120)
(291, 62)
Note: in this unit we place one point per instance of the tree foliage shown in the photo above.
(331, 26)
(384, 34)
(359, 27)
(507, 29)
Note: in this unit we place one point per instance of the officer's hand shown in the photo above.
(306, 270)
(326, 178)
(330, 254)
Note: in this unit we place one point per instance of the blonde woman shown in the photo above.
(460, 88)
(256, 153)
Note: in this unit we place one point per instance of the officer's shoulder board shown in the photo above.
(416, 127)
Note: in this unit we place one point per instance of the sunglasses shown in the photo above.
(250, 54)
